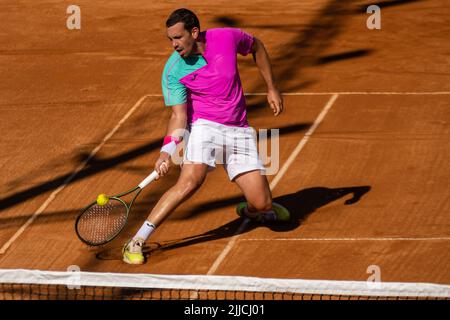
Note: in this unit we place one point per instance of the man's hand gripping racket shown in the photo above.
(102, 220)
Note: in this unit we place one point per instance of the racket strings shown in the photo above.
(99, 224)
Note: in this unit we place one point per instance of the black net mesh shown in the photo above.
(62, 292)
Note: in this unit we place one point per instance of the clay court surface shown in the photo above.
(364, 139)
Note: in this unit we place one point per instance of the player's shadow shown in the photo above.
(300, 204)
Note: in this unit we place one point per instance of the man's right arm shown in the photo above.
(177, 120)
(175, 126)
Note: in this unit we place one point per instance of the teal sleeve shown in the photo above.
(174, 92)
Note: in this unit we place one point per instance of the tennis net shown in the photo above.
(19, 284)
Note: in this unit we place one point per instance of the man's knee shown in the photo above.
(263, 203)
(189, 185)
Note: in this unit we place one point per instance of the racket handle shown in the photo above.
(152, 176)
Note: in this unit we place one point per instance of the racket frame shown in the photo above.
(151, 177)
(119, 230)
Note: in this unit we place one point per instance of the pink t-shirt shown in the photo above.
(215, 91)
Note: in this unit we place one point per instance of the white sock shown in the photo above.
(145, 231)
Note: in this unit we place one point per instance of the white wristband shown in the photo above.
(169, 148)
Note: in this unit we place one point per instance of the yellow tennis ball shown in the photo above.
(102, 199)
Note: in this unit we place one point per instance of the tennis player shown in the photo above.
(202, 86)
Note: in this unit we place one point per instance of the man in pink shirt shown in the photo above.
(201, 85)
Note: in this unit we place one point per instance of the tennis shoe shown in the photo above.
(278, 213)
(132, 251)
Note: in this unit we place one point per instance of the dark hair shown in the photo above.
(186, 16)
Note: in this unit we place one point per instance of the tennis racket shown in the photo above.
(99, 224)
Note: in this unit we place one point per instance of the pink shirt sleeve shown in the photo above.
(243, 40)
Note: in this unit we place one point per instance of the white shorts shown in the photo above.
(214, 143)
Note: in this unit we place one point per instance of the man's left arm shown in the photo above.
(263, 63)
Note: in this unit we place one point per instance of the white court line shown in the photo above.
(274, 182)
(69, 179)
(355, 239)
(303, 142)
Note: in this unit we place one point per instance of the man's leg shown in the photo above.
(256, 190)
(191, 178)
(259, 206)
